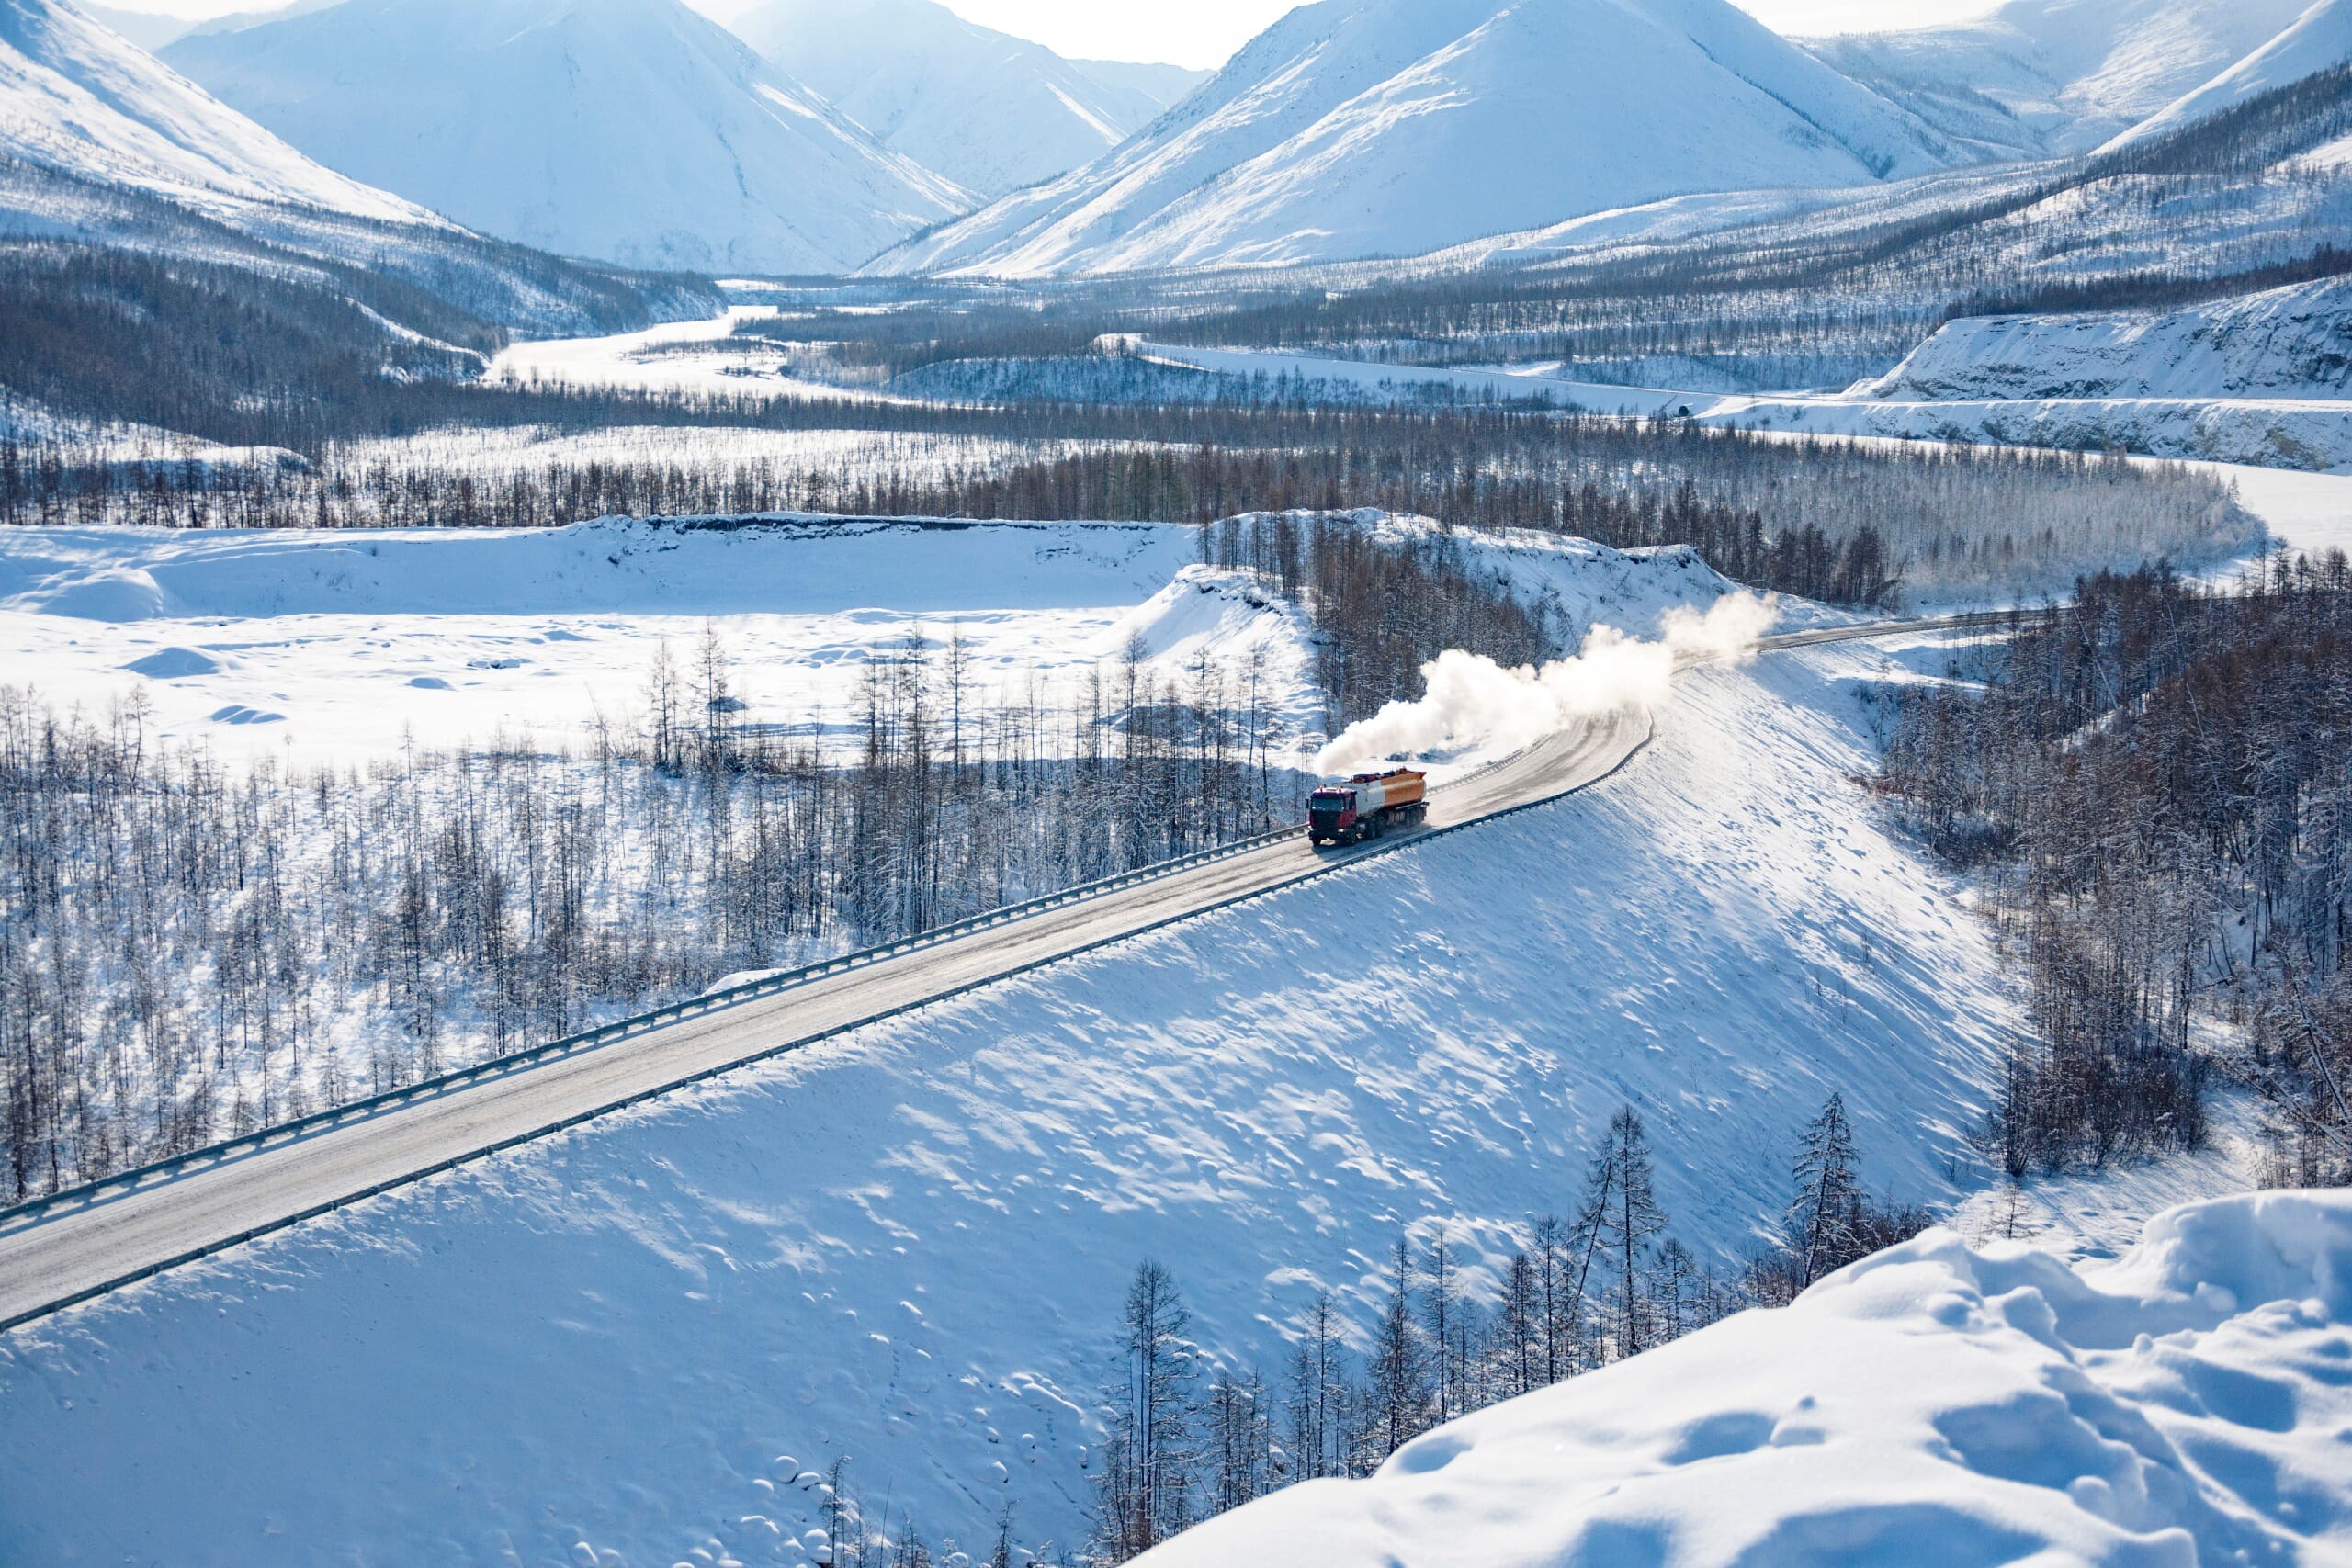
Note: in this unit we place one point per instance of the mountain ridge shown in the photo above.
(721, 162)
(1362, 128)
(990, 110)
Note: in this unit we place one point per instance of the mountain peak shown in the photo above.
(636, 131)
(77, 96)
(991, 111)
(1360, 127)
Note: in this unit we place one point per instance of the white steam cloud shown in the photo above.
(1473, 702)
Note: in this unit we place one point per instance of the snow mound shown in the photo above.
(1935, 1405)
(1207, 606)
(1214, 614)
(1358, 128)
(627, 130)
(174, 664)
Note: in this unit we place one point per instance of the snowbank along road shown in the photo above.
(80, 1244)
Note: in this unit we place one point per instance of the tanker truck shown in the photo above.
(1366, 807)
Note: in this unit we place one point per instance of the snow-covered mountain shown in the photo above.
(1356, 128)
(1937, 1404)
(2321, 39)
(991, 111)
(627, 130)
(79, 98)
(150, 30)
(2057, 77)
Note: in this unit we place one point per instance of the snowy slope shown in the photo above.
(1935, 1404)
(991, 111)
(2058, 76)
(2320, 40)
(906, 1249)
(2286, 342)
(626, 130)
(150, 30)
(77, 97)
(1355, 128)
(103, 144)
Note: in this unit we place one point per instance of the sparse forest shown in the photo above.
(2154, 784)
(1841, 521)
(1446, 1331)
(189, 952)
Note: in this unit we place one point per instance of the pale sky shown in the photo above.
(1205, 32)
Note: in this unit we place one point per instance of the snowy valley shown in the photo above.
(1550, 782)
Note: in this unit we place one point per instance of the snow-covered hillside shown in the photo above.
(2321, 39)
(991, 111)
(1938, 1404)
(907, 1249)
(150, 30)
(1356, 128)
(2055, 76)
(101, 144)
(2287, 343)
(627, 130)
(78, 98)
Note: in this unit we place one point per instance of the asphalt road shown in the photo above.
(67, 1253)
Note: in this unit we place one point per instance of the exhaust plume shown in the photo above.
(1471, 701)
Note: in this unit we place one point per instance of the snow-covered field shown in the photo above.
(698, 357)
(1935, 1405)
(344, 644)
(906, 1249)
(347, 644)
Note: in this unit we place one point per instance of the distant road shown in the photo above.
(58, 1252)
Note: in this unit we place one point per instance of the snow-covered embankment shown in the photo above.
(1935, 1404)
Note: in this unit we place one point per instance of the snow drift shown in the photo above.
(1471, 700)
(1934, 1406)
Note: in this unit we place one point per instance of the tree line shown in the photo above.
(1841, 521)
(2154, 783)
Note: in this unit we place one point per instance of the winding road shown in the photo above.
(68, 1249)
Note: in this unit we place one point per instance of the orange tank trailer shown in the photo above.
(1368, 805)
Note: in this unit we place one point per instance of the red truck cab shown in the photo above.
(1367, 806)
